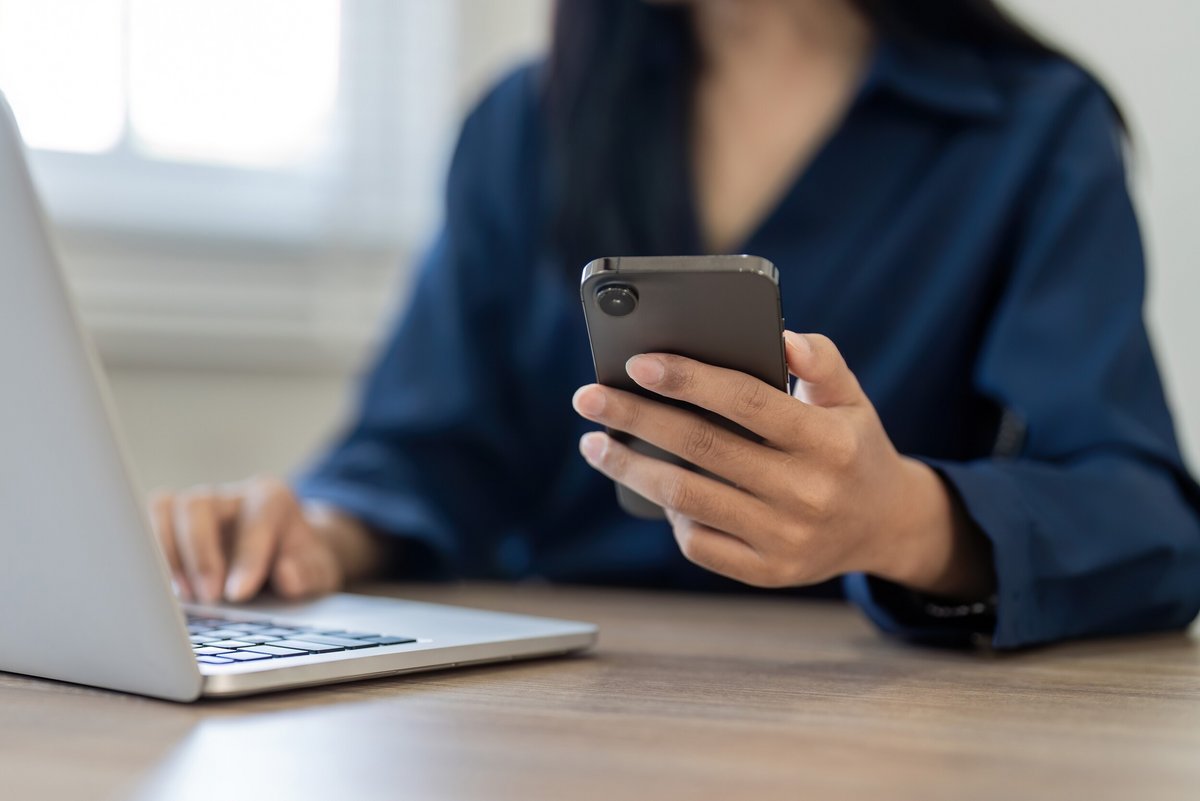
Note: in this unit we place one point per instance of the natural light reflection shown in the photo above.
(61, 68)
(249, 83)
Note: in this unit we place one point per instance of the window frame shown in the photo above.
(364, 190)
(283, 269)
(291, 294)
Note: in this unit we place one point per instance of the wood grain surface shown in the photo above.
(696, 697)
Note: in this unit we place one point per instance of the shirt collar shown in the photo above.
(947, 78)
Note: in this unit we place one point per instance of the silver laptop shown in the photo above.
(85, 594)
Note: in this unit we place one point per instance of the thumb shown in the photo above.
(823, 379)
(306, 564)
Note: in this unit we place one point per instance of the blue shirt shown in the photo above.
(967, 240)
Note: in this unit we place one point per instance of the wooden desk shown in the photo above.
(686, 697)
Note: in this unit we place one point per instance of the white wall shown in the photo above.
(199, 425)
(187, 427)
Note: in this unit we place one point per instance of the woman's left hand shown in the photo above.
(824, 493)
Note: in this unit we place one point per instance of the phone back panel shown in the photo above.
(722, 310)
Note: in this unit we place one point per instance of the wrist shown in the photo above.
(359, 552)
(930, 543)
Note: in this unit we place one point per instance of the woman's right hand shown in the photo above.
(228, 542)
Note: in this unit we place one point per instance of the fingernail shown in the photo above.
(646, 370)
(798, 341)
(592, 445)
(589, 401)
(234, 585)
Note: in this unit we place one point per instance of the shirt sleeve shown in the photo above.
(1094, 522)
(433, 452)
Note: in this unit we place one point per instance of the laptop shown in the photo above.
(85, 594)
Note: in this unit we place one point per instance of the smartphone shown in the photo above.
(722, 310)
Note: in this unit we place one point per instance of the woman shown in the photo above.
(979, 444)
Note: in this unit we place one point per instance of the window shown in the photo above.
(284, 120)
(234, 182)
(63, 107)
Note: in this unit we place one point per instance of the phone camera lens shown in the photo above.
(616, 300)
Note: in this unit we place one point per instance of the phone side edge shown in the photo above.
(605, 264)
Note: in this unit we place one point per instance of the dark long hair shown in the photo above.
(617, 91)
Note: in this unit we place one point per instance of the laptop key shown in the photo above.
(390, 640)
(311, 647)
(325, 639)
(257, 639)
(245, 656)
(202, 639)
(277, 632)
(214, 660)
(223, 634)
(273, 650)
(231, 643)
(209, 650)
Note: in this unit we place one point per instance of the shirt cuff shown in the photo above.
(991, 498)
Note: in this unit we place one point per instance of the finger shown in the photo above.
(287, 578)
(673, 487)
(319, 570)
(302, 574)
(262, 515)
(747, 464)
(720, 552)
(769, 412)
(305, 566)
(823, 379)
(198, 536)
(161, 514)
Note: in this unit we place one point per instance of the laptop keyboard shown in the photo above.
(220, 641)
